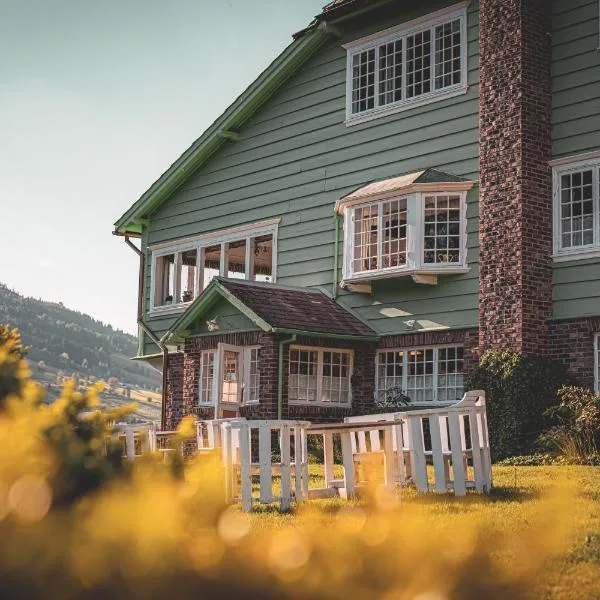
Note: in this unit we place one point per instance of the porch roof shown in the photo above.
(278, 309)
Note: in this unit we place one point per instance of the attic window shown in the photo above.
(407, 225)
(181, 271)
(418, 62)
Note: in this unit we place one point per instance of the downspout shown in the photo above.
(147, 330)
(336, 255)
(282, 343)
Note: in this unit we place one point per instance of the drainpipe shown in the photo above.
(147, 330)
(282, 343)
(336, 254)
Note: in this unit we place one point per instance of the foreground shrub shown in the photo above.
(76, 523)
(577, 434)
(519, 390)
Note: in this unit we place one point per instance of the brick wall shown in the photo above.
(174, 410)
(515, 179)
(572, 343)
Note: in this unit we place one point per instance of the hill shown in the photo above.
(66, 343)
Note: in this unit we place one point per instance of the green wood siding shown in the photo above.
(296, 157)
(229, 318)
(576, 130)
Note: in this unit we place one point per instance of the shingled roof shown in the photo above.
(278, 308)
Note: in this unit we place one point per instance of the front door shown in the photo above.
(229, 383)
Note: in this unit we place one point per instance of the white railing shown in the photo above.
(245, 441)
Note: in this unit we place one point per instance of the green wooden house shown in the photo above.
(408, 184)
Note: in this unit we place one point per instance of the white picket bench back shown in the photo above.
(145, 438)
(208, 433)
(451, 448)
(239, 439)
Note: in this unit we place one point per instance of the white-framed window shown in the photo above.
(428, 374)
(422, 232)
(319, 376)
(576, 192)
(237, 369)
(182, 270)
(205, 388)
(418, 62)
(597, 363)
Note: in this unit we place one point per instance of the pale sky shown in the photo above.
(97, 99)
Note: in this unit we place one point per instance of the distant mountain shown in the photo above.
(64, 342)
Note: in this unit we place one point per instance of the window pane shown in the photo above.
(230, 383)
(450, 374)
(302, 381)
(365, 238)
(212, 264)
(236, 260)
(363, 81)
(390, 73)
(577, 209)
(394, 233)
(418, 64)
(187, 275)
(447, 54)
(206, 377)
(419, 384)
(441, 230)
(390, 367)
(165, 280)
(335, 385)
(262, 258)
(254, 376)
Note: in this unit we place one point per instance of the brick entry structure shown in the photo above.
(515, 231)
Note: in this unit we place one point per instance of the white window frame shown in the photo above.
(434, 375)
(203, 355)
(428, 22)
(319, 350)
(217, 365)
(597, 363)
(564, 167)
(199, 243)
(415, 229)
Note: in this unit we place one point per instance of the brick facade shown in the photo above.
(572, 343)
(515, 230)
(174, 410)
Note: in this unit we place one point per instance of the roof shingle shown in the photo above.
(303, 309)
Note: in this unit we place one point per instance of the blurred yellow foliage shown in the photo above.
(76, 522)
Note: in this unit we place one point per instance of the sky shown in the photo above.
(97, 99)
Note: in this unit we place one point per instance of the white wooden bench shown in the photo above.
(451, 448)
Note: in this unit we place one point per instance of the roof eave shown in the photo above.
(232, 119)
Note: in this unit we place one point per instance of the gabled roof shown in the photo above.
(278, 309)
(419, 181)
(305, 43)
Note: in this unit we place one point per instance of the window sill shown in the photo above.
(168, 310)
(406, 105)
(583, 254)
(372, 276)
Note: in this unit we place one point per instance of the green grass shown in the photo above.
(512, 505)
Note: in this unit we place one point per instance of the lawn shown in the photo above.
(519, 495)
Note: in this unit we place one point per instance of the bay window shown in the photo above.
(420, 232)
(182, 270)
(576, 208)
(425, 375)
(319, 376)
(414, 63)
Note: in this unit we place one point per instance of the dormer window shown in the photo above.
(406, 225)
(415, 63)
